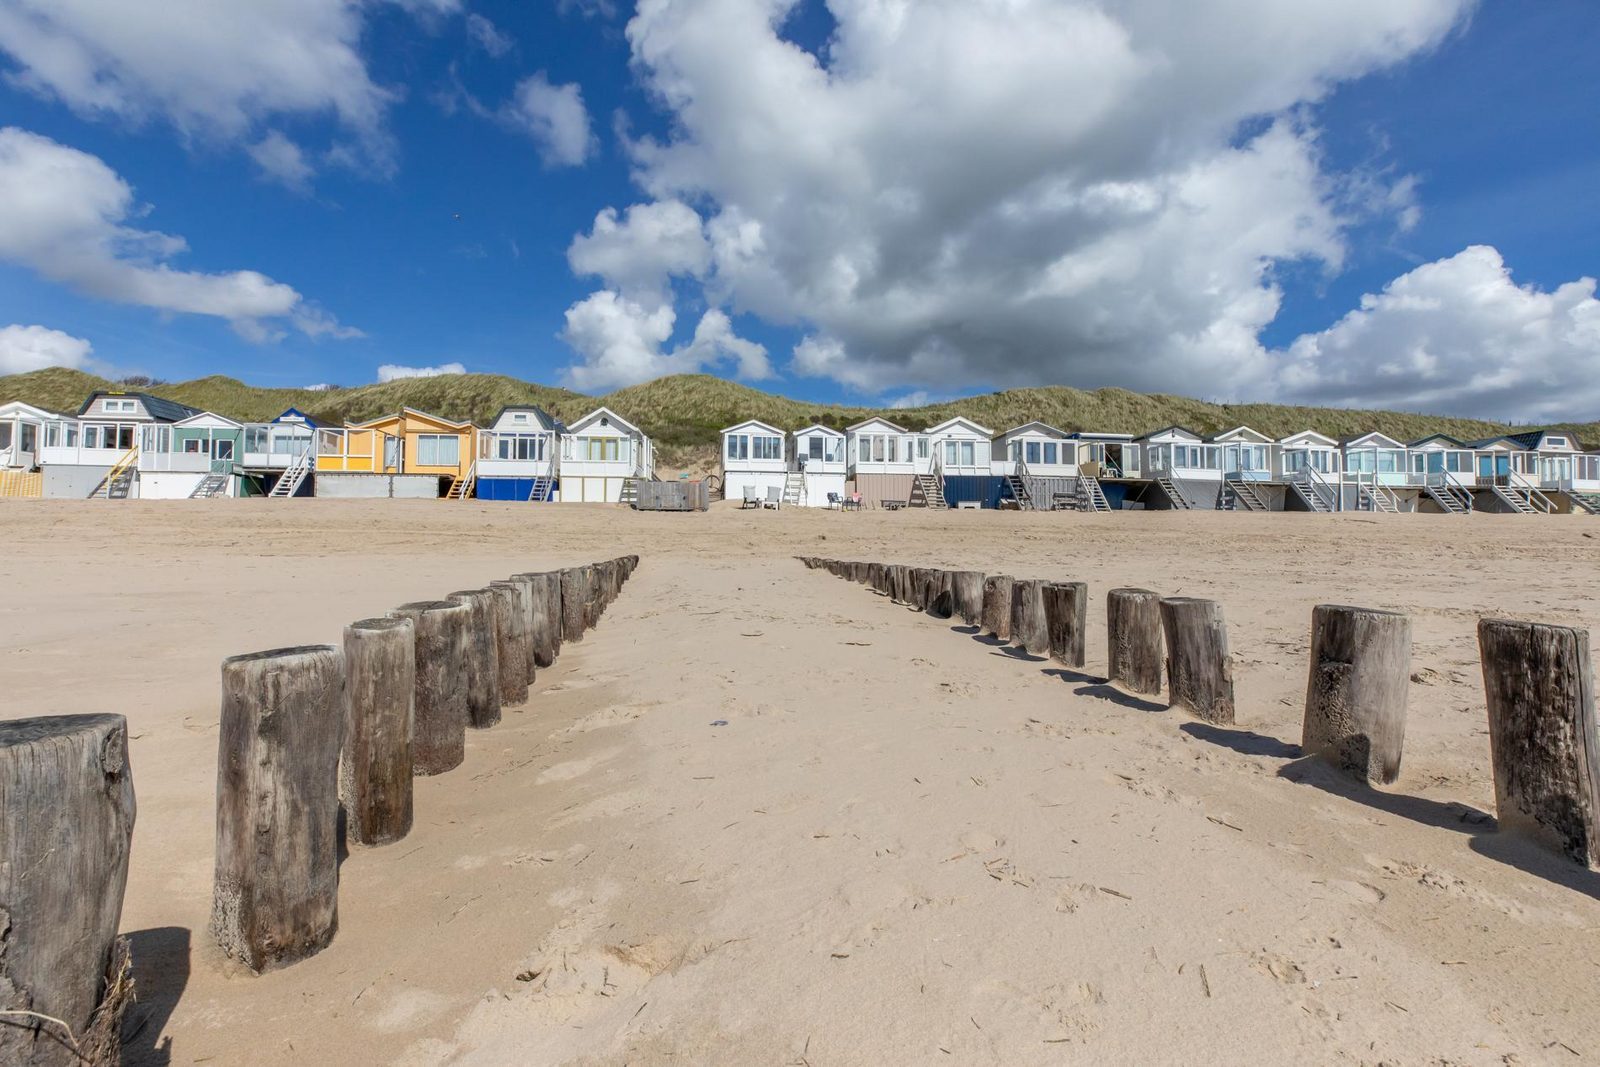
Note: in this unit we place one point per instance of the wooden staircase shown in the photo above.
(542, 488)
(118, 482)
(1178, 500)
(212, 485)
(931, 489)
(1310, 493)
(1091, 496)
(1239, 494)
(1377, 498)
(630, 492)
(1019, 492)
(292, 478)
(1589, 502)
(1453, 499)
(794, 488)
(1524, 500)
(461, 488)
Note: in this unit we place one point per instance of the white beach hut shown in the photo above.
(882, 460)
(817, 454)
(956, 467)
(1375, 475)
(1309, 462)
(600, 454)
(25, 432)
(1187, 469)
(755, 465)
(518, 455)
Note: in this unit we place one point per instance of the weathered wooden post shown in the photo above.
(552, 592)
(1133, 639)
(511, 613)
(859, 572)
(967, 591)
(480, 671)
(997, 605)
(275, 900)
(1542, 734)
(1066, 612)
(916, 578)
(940, 600)
(439, 708)
(595, 606)
(896, 579)
(532, 609)
(543, 628)
(1029, 630)
(379, 688)
(66, 825)
(574, 594)
(1356, 692)
(1199, 669)
(875, 577)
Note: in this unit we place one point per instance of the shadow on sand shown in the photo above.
(160, 974)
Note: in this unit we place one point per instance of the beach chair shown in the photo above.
(835, 501)
(751, 500)
(774, 498)
(853, 503)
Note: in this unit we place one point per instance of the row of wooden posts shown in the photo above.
(1538, 681)
(303, 731)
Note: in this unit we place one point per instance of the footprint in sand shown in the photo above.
(564, 772)
(410, 1008)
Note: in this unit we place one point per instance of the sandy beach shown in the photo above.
(904, 845)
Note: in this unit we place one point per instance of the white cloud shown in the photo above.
(281, 160)
(1012, 191)
(1459, 335)
(640, 251)
(65, 215)
(604, 9)
(621, 343)
(554, 116)
(390, 372)
(487, 36)
(213, 70)
(25, 348)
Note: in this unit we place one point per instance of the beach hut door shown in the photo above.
(391, 453)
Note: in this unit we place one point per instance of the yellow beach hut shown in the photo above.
(410, 453)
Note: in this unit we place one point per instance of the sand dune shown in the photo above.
(906, 845)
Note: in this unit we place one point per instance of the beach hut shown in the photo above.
(754, 464)
(1508, 473)
(1308, 462)
(817, 454)
(200, 456)
(1038, 464)
(102, 459)
(882, 461)
(602, 455)
(1443, 467)
(25, 434)
(1375, 474)
(518, 455)
(960, 469)
(1187, 469)
(1246, 456)
(280, 455)
(408, 454)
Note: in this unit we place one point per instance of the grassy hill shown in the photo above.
(684, 412)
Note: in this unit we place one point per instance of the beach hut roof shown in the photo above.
(1307, 435)
(211, 419)
(296, 415)
(607, 416)
(817, 427)
(878, 420)
(754, 424)
(159, 408)
(1442, 438)
(1090, 435)
(1534, 439)
(1501, 441)
(1241, 433)
(545, 419)
(961, 421)
(1372, 437)
(1173, 429)
(18, 407)
(1032, 426)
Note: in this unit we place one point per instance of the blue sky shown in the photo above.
(831, 204)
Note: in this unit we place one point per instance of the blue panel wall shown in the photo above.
(984, 488)
(508, 489)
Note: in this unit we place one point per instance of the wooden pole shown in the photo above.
(1066, 612)
(1029, 629)
(997, 605)
(439, 707)
(275, 900)
(511, 613)
(552, 592)
(1199, 669)
(940, 602)
(544, 627)
(593, 598)
(375, 770)
(66, 826)
(574, 594)
(480, 671)
(895, 577)
(532, 607)
(875, 572)
(1133, 639)
(1543, 735)
(1356, 692)
(967, 590)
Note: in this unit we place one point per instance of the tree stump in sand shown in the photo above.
(66, 825)
(1543, 734)
(1029, 630)
(379, 688)
(966, 589)
(481, 669)
(439, 709)
(511, 612)
(1199, 669)
(275, 900)
(543, 626)
(1133, 639)
(1356, 692)
(997, 605)
(1066, 611)
(574, 595)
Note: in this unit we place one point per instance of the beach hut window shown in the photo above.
(599, 449)
(922, 448)
(119, 406)
(767, 447)
(738, 446)
(194, 446)
(255, 438)
(223, 449)
(52, 435)
(438, 450)
(1050, 452)
(814, 445)
(1035, 452)
(5, 436)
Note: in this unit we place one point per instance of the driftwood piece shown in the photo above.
(1066, 612)
(966, 589)
(1543, 735)
(1029, 630)
(511, 612)
(480, 671)
(275, 900)
(439, 708)
(1356, 693)
(66, 826)
(574, 601)
(1199, 669)
(997, 605)
(1133, 639)
(375, 768)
